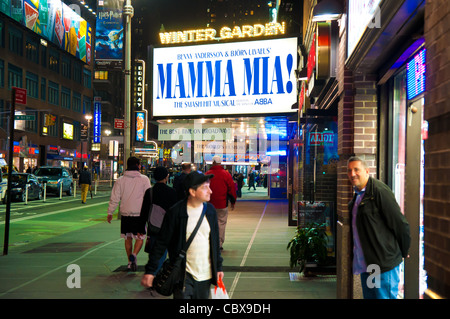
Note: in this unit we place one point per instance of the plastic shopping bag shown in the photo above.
(219, 291)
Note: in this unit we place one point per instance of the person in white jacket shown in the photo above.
(129, 190)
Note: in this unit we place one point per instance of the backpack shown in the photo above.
(155, 217)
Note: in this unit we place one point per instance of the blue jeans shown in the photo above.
(389, 282)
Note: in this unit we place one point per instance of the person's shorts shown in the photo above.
(131, 226)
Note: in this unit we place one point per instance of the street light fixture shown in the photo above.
(327, 10)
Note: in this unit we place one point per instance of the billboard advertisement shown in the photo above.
(54, 21)
(254, 77)
(97, 120)
(109, 34)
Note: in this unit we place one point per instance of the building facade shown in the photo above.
(59, 94)
(379, 67)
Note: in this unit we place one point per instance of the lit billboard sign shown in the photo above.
(255, 77)
(97, 119)
(141, 135)
(54, 21)
(109, 34)
(415, 75)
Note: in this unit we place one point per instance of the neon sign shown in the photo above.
(415, 75)
(226, 33)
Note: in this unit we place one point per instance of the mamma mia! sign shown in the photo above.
(255, 77)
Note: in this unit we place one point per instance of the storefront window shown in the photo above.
(399, 138)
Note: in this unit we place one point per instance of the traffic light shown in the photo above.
(49, 119)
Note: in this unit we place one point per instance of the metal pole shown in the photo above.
(128, 11)
(10, 168)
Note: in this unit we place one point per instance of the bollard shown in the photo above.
(95, 187)
(26, 194)
(45, 191)
(60, 190)
(74, 189)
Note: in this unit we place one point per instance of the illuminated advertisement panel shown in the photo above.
(415, 75)
(54, 21)
(67, 131)
(140, 127)
(109, 34)
(97, 119)
(255, 77)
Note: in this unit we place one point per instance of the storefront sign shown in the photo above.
(311, 58)
(255, 77)
(225, 33)
(415, 75)
(189, 132)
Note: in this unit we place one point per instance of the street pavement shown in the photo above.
(65, 250)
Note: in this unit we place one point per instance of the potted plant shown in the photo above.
(308, 245)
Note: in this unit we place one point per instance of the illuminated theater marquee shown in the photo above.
(209, 34)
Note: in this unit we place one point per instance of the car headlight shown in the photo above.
(52, 182)
(17, 189)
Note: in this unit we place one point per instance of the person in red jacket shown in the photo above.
(223, 190)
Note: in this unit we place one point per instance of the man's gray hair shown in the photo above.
(357, 159)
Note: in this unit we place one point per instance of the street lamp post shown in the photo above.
(128, 11)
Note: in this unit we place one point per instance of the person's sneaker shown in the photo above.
(133, 261)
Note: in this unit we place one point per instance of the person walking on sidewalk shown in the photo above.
(223, 189)
(251, 180)
(85, 183)
(178, 181)
(380, 232)
(203, 263)
(129, 190)
(162, 195)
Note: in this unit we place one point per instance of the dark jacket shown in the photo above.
(382, 228)
(178, 185)
(173, 235)
(85, 177)
(163, 195)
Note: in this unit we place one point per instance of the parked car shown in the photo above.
(19, 184)
(3, 187)
(54, 177)
(4, 179)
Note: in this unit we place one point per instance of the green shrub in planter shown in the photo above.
(308, 245)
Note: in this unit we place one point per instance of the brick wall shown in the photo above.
(437, 149)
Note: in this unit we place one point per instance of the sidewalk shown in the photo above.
(256, 262)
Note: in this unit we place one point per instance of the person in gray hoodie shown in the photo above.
(129, 190)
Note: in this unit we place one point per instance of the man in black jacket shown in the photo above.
(162, 195)
(203, 264)
(381, 237)
(85, 183)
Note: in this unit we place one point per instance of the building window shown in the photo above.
(101, 75)
(2, 34)
(2, 73)
(31, 126)
(14, 76)
(31, 50)
(43, 56)
(32, 84)
(77, 73)
(76, 102)
(86, 105)
(66, 67)
(15, 41)
(53, 93)
(53, 61)
(3, 115)
(76, 131)
(65, 97)
(43, 89)
(87, 78)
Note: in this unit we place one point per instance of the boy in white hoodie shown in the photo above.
(129, 190)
